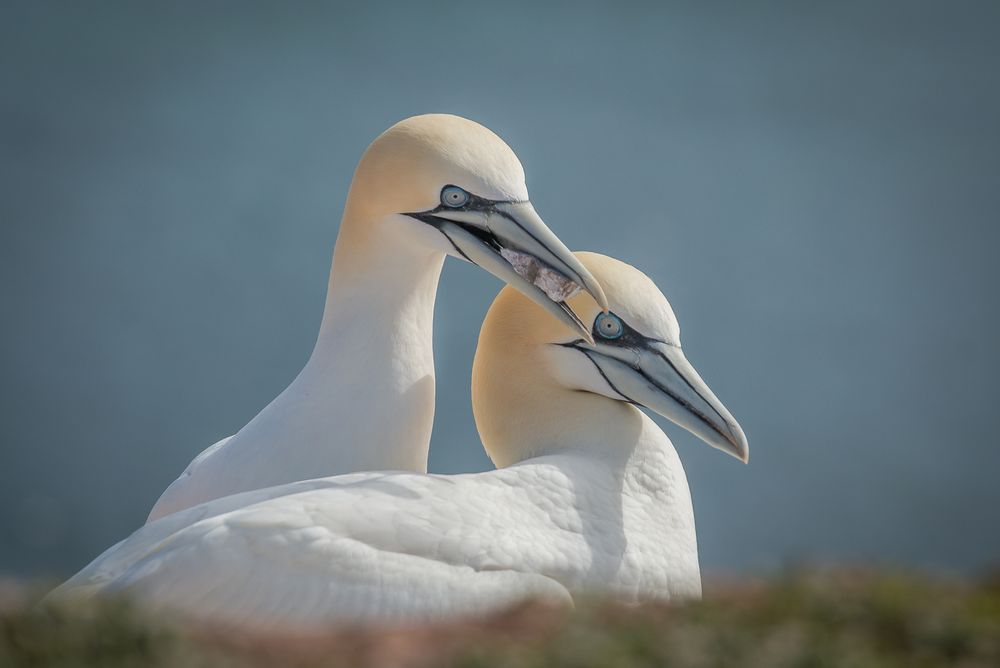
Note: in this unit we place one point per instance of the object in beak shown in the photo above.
(551, 282)
(499, 235)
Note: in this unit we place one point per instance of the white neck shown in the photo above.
(589, 425)
(525, 415)
(365, 399)
(512, 377)
(381, 293)
(631, 497)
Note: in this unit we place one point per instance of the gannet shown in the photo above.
(430, 186)
(590, 495)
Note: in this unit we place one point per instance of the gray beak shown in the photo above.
(659, 377)
(478, 235)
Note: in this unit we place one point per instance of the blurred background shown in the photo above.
(814, 187)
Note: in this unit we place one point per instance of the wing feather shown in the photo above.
(363, 547)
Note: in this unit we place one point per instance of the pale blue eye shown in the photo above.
(454, 197)
(608, 326)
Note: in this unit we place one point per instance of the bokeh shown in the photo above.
(815, 186)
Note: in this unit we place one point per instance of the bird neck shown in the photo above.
(523, 413)
(622, 475)
(382, 287)
(365, 399)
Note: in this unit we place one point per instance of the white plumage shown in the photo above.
(428, 187)
(594, 497)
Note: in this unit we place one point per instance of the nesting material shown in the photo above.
(551, 282)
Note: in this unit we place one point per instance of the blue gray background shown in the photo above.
(814, 185)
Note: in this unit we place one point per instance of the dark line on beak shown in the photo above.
(578, 279)
(608, 380)
(688, 383)
(683, 402)
(455, 246)
(575, 346)
(490, 206)
(655, 340)
(686, 404)
(568, 311)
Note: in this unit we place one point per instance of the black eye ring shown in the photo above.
(454, 197)
(608, 326)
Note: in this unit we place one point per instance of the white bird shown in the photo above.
(591, 496)
(430, 186)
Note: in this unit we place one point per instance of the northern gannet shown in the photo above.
(430, 186)
(590, 497)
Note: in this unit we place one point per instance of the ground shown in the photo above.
(814, 618)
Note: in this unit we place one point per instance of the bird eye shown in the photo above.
(454, 197)
(608, 326)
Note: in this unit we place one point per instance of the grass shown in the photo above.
(813, 619)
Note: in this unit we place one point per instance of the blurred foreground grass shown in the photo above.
(815, 619)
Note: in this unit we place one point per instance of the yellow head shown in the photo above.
(450, 185)
(536, 381)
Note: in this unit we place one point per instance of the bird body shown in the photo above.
(590, 495)
(385, 547)
(428, 187)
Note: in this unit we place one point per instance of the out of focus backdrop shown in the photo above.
(814, 186)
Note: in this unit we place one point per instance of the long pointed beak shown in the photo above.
(659, 377)
(523, 229)
(479, 235)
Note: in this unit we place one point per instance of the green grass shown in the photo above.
(815, 620)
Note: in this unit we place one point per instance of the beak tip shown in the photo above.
(593, 288)
(741, 448)
(739, 453)
(602, 300)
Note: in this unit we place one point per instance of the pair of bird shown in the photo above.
(589, 493)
